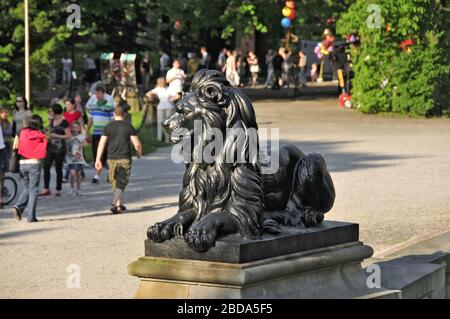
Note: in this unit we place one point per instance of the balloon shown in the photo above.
(286, 11)
(318, 50)
(285, 22)
(292, 15)
(290, 4)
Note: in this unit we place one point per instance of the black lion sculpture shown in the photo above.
(229, 194)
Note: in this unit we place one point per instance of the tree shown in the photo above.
(49, 32)
(391, 75)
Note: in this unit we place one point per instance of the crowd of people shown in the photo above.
(27, 147)
(283, 67)
(105, 125)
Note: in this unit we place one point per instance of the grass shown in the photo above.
(147, 134)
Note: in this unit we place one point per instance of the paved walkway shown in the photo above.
(390, 173)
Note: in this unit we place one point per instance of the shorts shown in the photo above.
(119, 173)
(77, 167)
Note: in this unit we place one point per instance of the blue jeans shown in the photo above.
(31, 175)
(302, 76)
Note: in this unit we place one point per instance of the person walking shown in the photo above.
(192, 64)
(71, 114)
(31, 145)
(146, 71)
(287, 68)
(66, 71)
(165, 106)
(277, 69)
(59, 132)
(241, 66)
(205, 59)
(164, 63)
(230, 69)
(269, 65)
(117, 139)
(175, 77)
(100, 107)
(4, 163)
(75, 157)
(21, 113)
(252, 61)
(302, 65)
(90, 70)
(5, 147)
(222, 59)
(80, 107)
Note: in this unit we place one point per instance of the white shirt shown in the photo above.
(89, 64)
(204, 58)
(164, 95)
(67, 64)
(176, 85)
(92, 102)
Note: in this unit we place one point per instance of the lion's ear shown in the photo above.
(215, 93)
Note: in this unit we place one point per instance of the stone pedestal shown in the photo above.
(321, 262)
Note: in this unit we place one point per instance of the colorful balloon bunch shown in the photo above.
(326, 46)
(288, 13)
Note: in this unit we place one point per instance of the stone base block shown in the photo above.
(416, 276)
(331, 272)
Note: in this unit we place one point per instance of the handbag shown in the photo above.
(14, 160)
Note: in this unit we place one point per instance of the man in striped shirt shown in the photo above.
(101, 111)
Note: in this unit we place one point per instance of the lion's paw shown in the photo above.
(161, 232)
(201, 237)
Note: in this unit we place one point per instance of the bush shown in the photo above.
(389, 79)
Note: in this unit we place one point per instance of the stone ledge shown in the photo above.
(251, 272)
(235, 249)
(331, 272)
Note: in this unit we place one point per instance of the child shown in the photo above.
(75, 157)
(314, 72)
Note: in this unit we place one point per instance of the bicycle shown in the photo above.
(9, 190)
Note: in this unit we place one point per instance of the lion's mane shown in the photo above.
(236, 187)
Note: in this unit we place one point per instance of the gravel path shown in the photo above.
(390, 173)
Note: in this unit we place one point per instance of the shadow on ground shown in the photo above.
(156, 176)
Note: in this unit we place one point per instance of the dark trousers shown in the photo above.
(277, 75)
(59, 160)
(95, 142)
(31, 176)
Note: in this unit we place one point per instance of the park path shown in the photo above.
(390, 173)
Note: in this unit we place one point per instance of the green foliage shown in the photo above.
(115, 26)
(388, 79)
(48, 32)
(312, 15)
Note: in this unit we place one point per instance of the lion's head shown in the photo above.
(215, 104)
